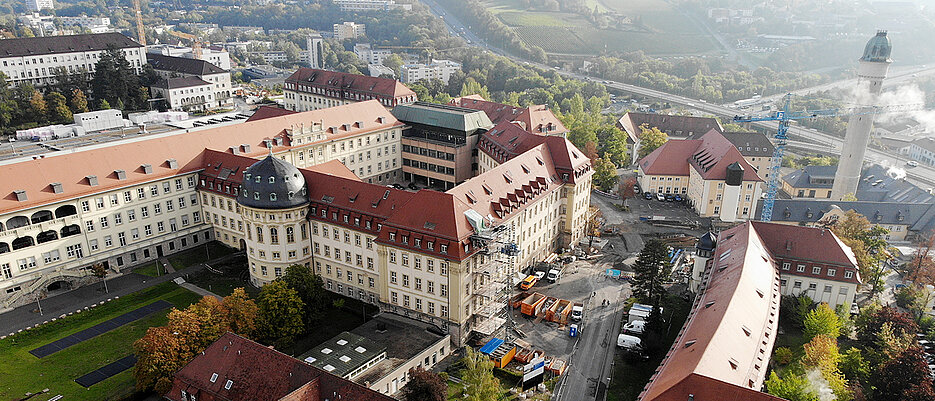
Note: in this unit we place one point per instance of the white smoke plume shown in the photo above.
(900, 96)
(819, 385)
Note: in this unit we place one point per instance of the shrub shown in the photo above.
(783, 355)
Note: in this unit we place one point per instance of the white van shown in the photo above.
(635, 327)
(629, 342)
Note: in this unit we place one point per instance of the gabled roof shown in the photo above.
(442, 115)
(715, 154)
(918, 216)
(750, 144)
(819, 245)
(350, 82)
(724, 348)
(64, 44)
(672, 125)
(536, 119)
(802, 178)
(181, 82)
(127, 156)
(182, 65)
(508, 140)
(264, 112)
(670, 159)
(258, 373)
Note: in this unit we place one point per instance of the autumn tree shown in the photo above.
(869, 326)
(99, 271)
(605, 175)
(921, 269)
(822, 321)
(281, 311)
(868, 245)
(651, 138)
(38, 105)
(311, 289)
(652, 269)
(478, 379)
(425, 386)
(822, 353)
(242, 313)
(593, 225)
(79, 102)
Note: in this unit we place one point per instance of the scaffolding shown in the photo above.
(493, 280)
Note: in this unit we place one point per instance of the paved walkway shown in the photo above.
(167, 265)
(56, 305)
(200, 291)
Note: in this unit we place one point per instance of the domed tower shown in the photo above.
(273, 201)
(870, 74)
(704, 250)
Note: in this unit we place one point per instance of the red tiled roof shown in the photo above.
(350, 83)
(809, 244)
(670, 124)
(508, 140)
(264, 112)
(103, 160)
(709, 156)
(537, 119)
(262, 374)
(728, 338)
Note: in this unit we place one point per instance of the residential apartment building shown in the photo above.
(921, 150)
(313, 89)
(439, 143)
(709, 172)
(676, 127)
(349, 30)
(371, 5)
(216, 55)
(723, 349)
(437, 69)
(195, 83)
(366, 53)
(35, 61)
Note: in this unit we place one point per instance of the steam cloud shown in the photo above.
(903, 95)
(819, 385)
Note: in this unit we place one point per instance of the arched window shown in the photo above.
(273, 235)
(23, 242)
(272, 196)
(291, 194)
(40, 216)
(68, 231)
(4, 247)
(259, 234)
(65, 210)
(46, 236)
(17, 222)
(290, 234)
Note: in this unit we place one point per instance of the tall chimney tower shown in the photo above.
(870, 74)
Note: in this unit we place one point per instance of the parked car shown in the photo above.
(912, 163)
(648, 195)
(636, 327)
(660, 197)
(413, 186)
(636, 188)
(670, 198)
(539, 274)
(678, 198)
(397, 186)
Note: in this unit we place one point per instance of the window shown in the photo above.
(392, 277)
(214, 378)
(786, 265)
(108, 241)
(831, 272)
(85, 206)
(848, 274)
(227, 386)
(144, 211)
(816, 270)
(827, 288)
(118, 218)
(74, 251)
(104, 223)
(273, 235)
(842, 291)
(800, 268)
(89, 226)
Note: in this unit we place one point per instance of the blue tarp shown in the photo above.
(612, 272)
(491, 346)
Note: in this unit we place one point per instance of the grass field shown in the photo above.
(198, 255)
(658, 29)
(21, 372)
(149, 270)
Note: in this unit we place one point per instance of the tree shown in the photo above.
(310, 288)
(652, 269)
(58, 110)
(37, 105)
(868, 245)
(822, 321)
(472, 87)
(854, 366)
(242, 313)
(905, 375)
(628, 189)
(477, 376)
(605, 175)
(822, 353)
(99, 271)
(425, 386)
(79, 102)
(793, 387)
(593, 225)
(868, 327)
(280, 314)
(115, 80)
(650, 139)
(393, 62)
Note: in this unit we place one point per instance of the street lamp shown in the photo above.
(39, 305)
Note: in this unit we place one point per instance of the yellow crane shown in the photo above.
(196, 44)
(139, 22)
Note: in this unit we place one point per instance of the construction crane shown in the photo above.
(196, 44)
(784, 117)
(139, 22)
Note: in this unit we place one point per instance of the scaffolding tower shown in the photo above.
(493, 280)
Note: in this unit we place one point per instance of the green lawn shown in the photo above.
(21, 372)
(198, 255)
(149, 270)
(629, 377)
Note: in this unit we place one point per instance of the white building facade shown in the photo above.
(36, 60)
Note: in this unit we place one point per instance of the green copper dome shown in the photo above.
(878, 49)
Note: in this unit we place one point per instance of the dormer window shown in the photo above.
(257, 180)
(291, 194)
(272, 196)
(272, 180)
(256, 196)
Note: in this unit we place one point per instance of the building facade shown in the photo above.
(215, 55)
(187, 94)
(311, 89)
(349, 30)
(35, 61)
(437, 69)
(371, 5)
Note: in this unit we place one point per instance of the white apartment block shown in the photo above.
(437, 69)
(186, 94)
(371, 5)
(35, 60)
(369, 55)
(220, 58)
(349, 30)
(38, 5)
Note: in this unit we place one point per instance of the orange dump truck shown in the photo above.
(561, 309)
(530, 306)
